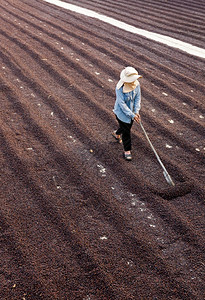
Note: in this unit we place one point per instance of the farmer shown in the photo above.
(127, 106)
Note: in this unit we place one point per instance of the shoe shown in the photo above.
(127, 156)
(119, 139)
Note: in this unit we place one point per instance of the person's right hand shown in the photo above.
(137, 118)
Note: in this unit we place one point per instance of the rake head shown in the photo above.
(168, 178)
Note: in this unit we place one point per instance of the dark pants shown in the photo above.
(124, 129)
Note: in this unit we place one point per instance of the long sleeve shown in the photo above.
(137, 101)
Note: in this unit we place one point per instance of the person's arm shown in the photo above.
(137, 104)
(137, 101)
(120, 100)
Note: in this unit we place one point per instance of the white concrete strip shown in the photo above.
(169, 41)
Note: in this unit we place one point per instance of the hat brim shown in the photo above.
(127, 79)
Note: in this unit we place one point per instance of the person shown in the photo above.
(127, 107)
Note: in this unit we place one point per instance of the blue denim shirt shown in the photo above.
(127, 104)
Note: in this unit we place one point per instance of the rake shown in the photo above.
(165, 173)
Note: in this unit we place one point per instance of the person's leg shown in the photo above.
(126, 137)
(119, 130)
(117, 133)
(124, 129)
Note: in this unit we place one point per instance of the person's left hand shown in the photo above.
(137, 118)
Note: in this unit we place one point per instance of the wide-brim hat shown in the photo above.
(129, 74)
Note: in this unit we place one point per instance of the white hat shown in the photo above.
(129, 74)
